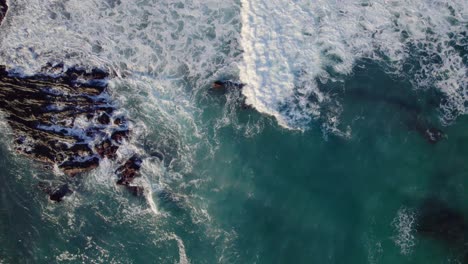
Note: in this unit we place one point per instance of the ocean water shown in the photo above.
(321, 158)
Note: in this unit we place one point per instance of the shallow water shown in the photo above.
(235, 185)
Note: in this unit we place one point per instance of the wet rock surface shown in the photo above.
(65, 118)
(415, 119)
(128, 172)
(441, 222)
(429, 132)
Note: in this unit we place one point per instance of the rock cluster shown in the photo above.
(128, 172)
(55, 193)
(65, 118)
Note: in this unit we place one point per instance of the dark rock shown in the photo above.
(430, 133)
(43, 108)
(120, 135)
(107, 149)
(129, 171)
(55, 193)
(221, 84)
(58, 194)
(53, 68)
(104, 119)
(3, 10)
(43, 153)
(81, 149)
(118, 121)
(19, 140)
(433, 135)
(99, 74)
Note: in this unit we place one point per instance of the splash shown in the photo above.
(404, 224)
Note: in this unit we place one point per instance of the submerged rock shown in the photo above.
(433, 135)
(55, 193)
(227, 84)
(128, 172)
(429, 132)
(58, 194)
(442, 223)
(104, 119)
(414, 117)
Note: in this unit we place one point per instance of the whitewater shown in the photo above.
(289, 47)
(282, 50)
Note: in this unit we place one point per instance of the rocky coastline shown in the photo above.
(65, 118)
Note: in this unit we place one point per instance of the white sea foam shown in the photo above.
(289, 45)
(404, 224)
(168, 39)
(165, 48)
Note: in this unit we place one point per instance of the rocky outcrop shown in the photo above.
(65, 118)
(56, 193)
(3, 10)
(128, 171)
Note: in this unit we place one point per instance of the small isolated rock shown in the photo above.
(128, 172)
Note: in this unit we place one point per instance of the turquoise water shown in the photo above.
(352, 184)
(274, 196)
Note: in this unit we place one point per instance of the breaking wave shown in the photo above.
(164, 52)
(291, 46)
